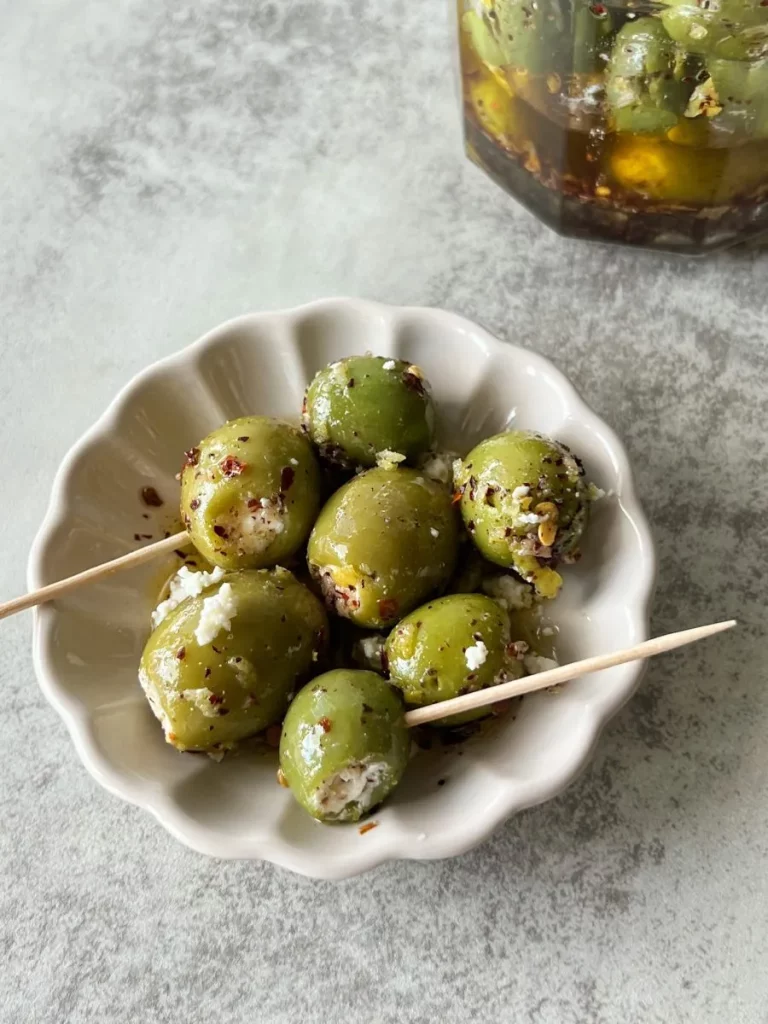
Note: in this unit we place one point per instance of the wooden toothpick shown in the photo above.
(98, 572)
(562, 674)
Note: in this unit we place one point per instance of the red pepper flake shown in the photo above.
(207, 673)
(272, 735)
(598, 10)
(388, 608)
(181, 653)
(194, 504)
(137, 536)
(304, 405)
(281, 778)
(220, 531)
(254, 503)
(215, 699)
(230, 465)
(150, 497)
(326, 724)
(244, 438)
(367, 827)
(192, 457)
(287, 476)
(456, 497)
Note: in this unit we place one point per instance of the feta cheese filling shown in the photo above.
(438, 466)
(216, 614)
(511, 594)
(252, 527)
(186, 583)
(354, 784)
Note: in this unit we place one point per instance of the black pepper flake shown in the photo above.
(181, 554)
(367, 708)
(222, 711)
(181, 653)
(137, 536)
(287, 476)
(441, 782)
(385, 663)
(207, 673)
(150, 497)
(471, 526)
(145, 515)
(220, 531)
(351, 382)
(215, 648)
(244, 438)
(192, 457)
(215, 699)
(194, 504)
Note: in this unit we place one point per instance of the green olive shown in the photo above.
(250, 492)
(363, 406)
(223, 665)
(646, 87)
(344, 745)
(382, 544)
(736, 98)
(525, 503)
(525, 37)
(451, 646)
(731, 29)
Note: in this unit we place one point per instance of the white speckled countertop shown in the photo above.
(168, 165)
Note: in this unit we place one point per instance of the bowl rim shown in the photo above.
(211, 843)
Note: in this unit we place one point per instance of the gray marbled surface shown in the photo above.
(166, 165)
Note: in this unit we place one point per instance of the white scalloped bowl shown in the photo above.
(87, 647)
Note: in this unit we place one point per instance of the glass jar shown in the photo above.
(638, 123)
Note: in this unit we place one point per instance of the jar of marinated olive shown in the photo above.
(642, 123)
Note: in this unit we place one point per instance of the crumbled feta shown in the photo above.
(294, 462)
(510, 593)
(435, 533)
(438, 466)
(252, 526)
(530, 517)
(354, 784)
(521, 492)
(186, 583)
(201, 699)
(476, 655)
(595, 493)
(243, 669)
(155, 702)
(536, 663)
(371, 651)
(389, 365)
(387, 459)
(216, 614)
